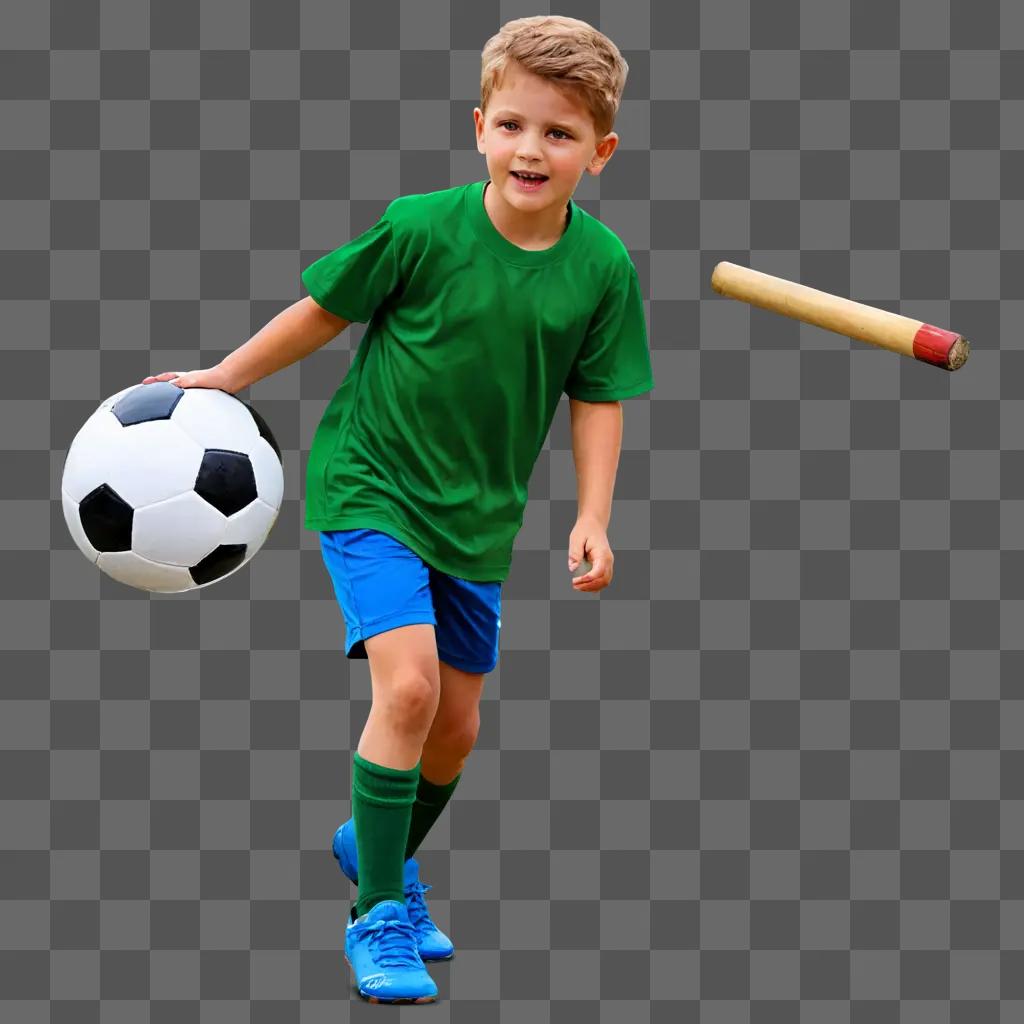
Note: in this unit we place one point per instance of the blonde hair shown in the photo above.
(566, 51)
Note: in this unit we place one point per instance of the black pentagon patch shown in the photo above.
(218, 562)
(226, 480)
(147, 402)
(264, 430)
(106, 519)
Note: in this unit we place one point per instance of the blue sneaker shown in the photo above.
(432, 943)
(344, 849)
(380, 947)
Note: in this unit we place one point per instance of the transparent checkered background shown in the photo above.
(774, 773)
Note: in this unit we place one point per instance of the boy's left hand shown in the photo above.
(589, 542)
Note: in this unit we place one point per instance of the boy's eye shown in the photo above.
(559, 130)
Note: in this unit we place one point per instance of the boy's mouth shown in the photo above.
(529, 182)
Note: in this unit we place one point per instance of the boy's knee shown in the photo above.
(456, 739)
(412, 700)
(465, 739)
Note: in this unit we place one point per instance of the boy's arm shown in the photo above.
(294, 333)
(596, 443)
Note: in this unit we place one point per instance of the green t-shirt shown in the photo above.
(471, 341)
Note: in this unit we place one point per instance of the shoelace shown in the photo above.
(394, 944)
(417, 908)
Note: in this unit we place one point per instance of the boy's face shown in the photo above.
(532, 125)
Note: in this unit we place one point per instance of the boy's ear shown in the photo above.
(603, 152)
(478, 120)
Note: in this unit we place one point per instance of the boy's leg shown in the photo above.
(452, 735)
(406, 688)
(467, 633)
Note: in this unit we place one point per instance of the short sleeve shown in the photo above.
(355, 279)
(614, 361)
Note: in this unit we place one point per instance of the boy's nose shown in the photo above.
(529, 145)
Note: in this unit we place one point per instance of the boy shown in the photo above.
(484, 303)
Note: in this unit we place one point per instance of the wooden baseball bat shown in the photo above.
(891, 331)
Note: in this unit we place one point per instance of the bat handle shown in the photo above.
(891, 331)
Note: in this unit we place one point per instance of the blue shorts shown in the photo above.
(381, 584)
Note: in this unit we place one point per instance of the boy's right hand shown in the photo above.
(212, 378)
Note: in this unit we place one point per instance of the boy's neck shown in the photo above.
(528, 237)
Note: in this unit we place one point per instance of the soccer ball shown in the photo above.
(169, 489)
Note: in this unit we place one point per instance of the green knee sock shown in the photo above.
(430, 802)
(382, 800)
